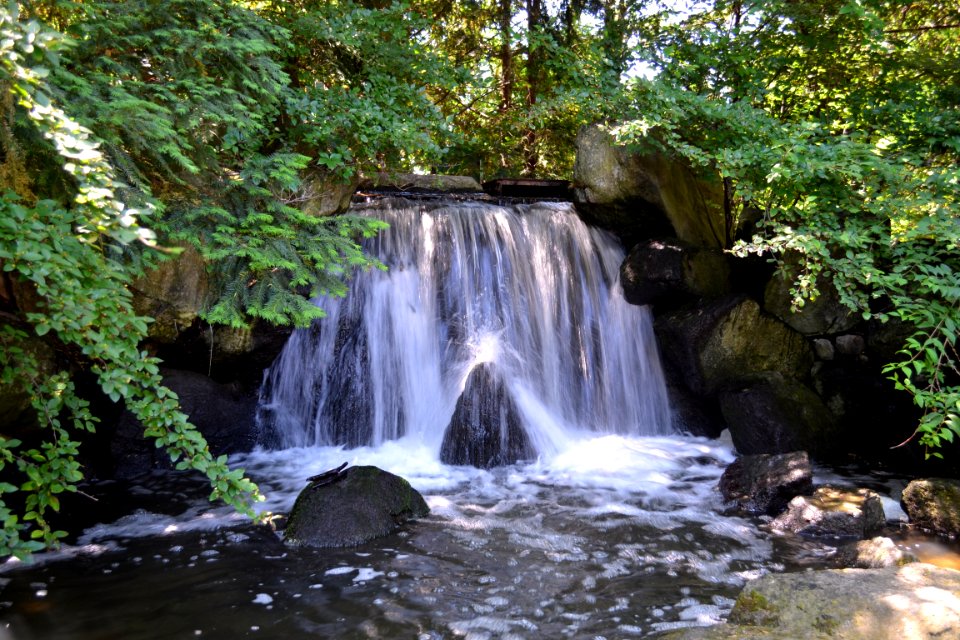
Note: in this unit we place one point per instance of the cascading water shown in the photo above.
(528, 288)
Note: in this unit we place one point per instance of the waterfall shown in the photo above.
(528, 288)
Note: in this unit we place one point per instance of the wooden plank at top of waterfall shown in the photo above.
(528, 188)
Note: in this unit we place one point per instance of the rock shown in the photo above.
(933, 504)
(486, 429)
(875, 553)
(833, 512)
(763, 484)
(825, 314)
(222, 413)
(776, 414)
(17, 415)
(172, 293)
(693, 415)
(719, 345)
(365, 503)
(913, 601)
(823, 349)
(645, 194)
(667, 270)
(325, 194)
(850, 345)
(412, 182)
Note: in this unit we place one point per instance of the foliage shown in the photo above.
(838, 123)
(63, 255)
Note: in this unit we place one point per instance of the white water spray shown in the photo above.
(528, 288)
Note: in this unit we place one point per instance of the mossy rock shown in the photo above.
(934, 504)
(364, 503)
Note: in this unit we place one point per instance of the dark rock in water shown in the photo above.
(833, 512)
(670, 271)
(765, 483)
(362, 504)
(934, 504)
(875, 553)
(486, 430)
(222, 413)
(776, 414)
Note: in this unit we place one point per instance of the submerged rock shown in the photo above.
(934, 504)
(486, 430)
(362, 504)
(833, 512)
(765, 483)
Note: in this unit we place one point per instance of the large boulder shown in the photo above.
(934, 504)
(352, 507)
(720, 344)
(325, 194)
(822, 315)
(645, 194)
(833, 512)
(764, 484)
(223, 413)
(173, 293)
(667, 270)
(486, 429)
(776, 414)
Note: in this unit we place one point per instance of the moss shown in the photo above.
(752, 608)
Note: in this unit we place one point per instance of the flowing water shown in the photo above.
(613, 530)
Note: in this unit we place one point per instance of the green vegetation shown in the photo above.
(129, 126)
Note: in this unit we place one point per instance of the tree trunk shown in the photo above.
(534, 71)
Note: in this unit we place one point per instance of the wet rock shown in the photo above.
(833, 512)
(721, 344)
(644, 195)
(669, 270)
(933, 504)
(363, 504)
(486, 429)
(823, 315)
(222, 413)
(776, 414)
(875, 553)
(765, 483)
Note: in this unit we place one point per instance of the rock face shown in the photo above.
(325, 194)
(934, 504)
(763, 484)
(718, 345)
(833, 512)
(668, 270)
(875, 553)
(823, 315)
(365, 503)
(223, 414)
(485, 430)
(776, 414)
(172, 294)
(645, 194)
